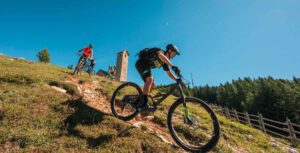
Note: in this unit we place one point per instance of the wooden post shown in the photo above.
(222, 111)
(248, 119)
(227, 113)
(262, 124)
(292, 132)
(236, 115)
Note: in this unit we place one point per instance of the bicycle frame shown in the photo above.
(175, 86)
(171, 91)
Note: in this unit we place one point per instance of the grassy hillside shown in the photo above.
(36, 118)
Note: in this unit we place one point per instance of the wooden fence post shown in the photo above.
(248, 119)
(292, 132)
(222, 111)
(236, 115)
(227, 113)
(262, 124)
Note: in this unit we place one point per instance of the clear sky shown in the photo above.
(219, 40)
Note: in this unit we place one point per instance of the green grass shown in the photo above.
(160, 119)
(36, 118)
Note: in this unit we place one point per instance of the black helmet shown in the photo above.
(91, 46)
(173, 48)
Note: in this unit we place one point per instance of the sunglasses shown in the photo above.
(175, 53)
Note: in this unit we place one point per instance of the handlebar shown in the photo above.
(179, 75)
(88, 58)
(180, 78)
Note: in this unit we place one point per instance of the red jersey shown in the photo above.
(87, 51)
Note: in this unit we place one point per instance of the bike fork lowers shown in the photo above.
(185, 109)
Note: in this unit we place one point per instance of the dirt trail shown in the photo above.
(99, 101)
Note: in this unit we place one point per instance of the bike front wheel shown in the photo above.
(79, 67)
(125, 100)
(194, 127)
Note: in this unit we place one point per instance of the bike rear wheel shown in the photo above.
(194, 127)
(125, 100)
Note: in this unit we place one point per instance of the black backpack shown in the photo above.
(147, 52)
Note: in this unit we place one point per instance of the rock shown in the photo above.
(163, 139)
(271, 139)
(88, 91)
(79, 89)
(249, 137)
(150, 129)
(67, 81)
(138, 124)
(59, 89)
(34, 85)
(149, 117)
(290, 150)
(8, 92)
(274, 144)
(96, 82)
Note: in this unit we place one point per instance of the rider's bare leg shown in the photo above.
(149, 84)
(152, 86)
(147, 87)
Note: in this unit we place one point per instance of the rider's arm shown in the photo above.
(170, 74)
(163, 58)
(80, 50)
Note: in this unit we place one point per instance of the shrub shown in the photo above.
(44, 56)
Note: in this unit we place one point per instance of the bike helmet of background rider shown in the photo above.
(173, 48)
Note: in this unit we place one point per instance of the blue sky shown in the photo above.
(219, 40)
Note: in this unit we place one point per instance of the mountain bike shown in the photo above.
(80, 65)
(191, 122)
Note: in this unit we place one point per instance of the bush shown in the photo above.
(44, 56)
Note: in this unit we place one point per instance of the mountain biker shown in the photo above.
(154, 58)
(87, 52)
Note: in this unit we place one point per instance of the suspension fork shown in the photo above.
(185, 109)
